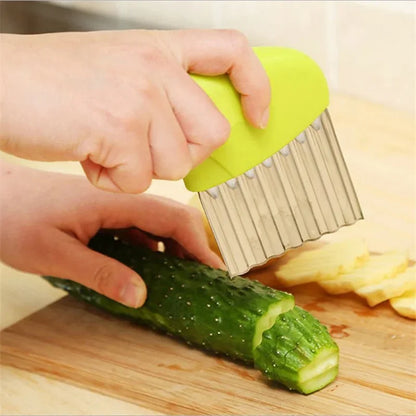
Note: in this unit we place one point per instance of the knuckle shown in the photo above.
(104, 280)
(96, 148)
(143, 183)
(174, 172)
(151, 56)
(238, 40)
(182, 170)
(122, 123)
(174, 175)
(146, 92)
(220, 133)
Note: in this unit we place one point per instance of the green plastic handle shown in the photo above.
(299, 95)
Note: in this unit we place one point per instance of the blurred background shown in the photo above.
(367, 52)
(366, 48)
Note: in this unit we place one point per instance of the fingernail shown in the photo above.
(265, 118)
(134, 293)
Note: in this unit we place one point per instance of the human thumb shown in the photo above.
(107, 276)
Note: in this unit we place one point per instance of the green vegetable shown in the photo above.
(240, 318)
(298, 351)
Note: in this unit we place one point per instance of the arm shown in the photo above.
(122, 103)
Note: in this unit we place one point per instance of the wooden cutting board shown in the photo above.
(79, 344)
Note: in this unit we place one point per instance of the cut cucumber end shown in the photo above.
(320, 372)
(269, 318)
(298, 352)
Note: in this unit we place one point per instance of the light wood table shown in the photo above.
(379, 145)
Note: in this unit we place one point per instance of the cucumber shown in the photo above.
(239, 318)
(298, 351)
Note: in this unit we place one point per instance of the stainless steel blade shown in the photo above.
(297, 195)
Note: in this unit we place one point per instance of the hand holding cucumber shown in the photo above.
(47, 219)
(122, 102)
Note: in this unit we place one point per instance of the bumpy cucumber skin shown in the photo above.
(295, 341)
(208, 309)
(201, 305)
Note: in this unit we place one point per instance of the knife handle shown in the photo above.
(299, 95)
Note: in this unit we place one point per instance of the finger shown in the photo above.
(203, 125)
(160, 217)
(74, 261)
(214, 52)
(131, 172)
(168, 146)
(175, 249)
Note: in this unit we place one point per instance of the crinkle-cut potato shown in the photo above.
(405, 304)
(323, 263)
(389, 288)
(377, 268)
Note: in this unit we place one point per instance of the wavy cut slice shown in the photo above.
(389, 288)
(405, 304)
(376, 269)
(323, 263)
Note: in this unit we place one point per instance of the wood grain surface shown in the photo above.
(81, 345)
(377, 346)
